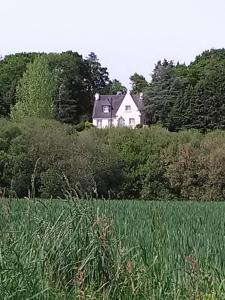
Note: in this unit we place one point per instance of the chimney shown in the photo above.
(97, 96)
(141, 96)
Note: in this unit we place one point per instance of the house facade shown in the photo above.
(118, 110)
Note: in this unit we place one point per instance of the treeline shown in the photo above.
(53, 85)
(192, 96)
(45, 159)
(61, 86)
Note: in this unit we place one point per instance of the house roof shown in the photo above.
(138, 101)
(116, 101)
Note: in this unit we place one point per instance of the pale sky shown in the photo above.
(127, 35)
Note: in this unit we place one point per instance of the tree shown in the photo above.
(138, 83)
(35, 91)
(196, 70)
(78, 79)
(115, 86)
(162, 93)
(72, 98)
(181, 114)
(202, 104)
(98, 78)
(12, 68)
(206, 109)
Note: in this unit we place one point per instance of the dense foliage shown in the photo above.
(35, 92)
(46, 158)
(77, 79)
(193, 96)
(12, 68)
(49, 158)
(177, 97)
(138, 83)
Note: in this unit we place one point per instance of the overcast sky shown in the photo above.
(127, 35)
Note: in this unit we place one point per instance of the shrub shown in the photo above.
(48, 159)
(139, 154)
(88, 125)
(196, 169)
(80, 126)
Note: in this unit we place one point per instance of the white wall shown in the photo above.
(105, 122)
(133, 113)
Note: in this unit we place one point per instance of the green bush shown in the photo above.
(139, 152)
(196, 168)
(80, 126)
(88, 125)
(49, 159)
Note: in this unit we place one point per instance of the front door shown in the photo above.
(121, 121)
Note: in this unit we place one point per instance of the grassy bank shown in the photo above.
(111, 250)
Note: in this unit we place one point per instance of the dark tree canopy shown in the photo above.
(138, 83)
(162, 93)
(73, 97)
(77, 80)
(193, 96)
(204, 104)
(12, 68)
(98, 76)
(114, 87)
(178, 96)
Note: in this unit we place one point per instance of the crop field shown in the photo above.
(70, 249)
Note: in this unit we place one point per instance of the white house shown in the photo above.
(118, 110)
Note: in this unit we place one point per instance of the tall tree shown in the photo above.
(73, 98)
(202, 103)
(12, 68)
(78, 79)
(138, 83)
(203, 106)
(35, 92)
(162, 93)
(98, 75)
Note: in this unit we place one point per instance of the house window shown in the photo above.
(132, 121)
(110, 122)
(127, 108)
(105, 108)
(99, 123)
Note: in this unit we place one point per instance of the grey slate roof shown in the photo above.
(138, 102)
(116, 101)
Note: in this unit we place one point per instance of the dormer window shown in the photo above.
(127, 108)
(105, 108)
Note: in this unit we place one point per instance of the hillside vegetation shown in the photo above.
(48, 147)
(61, 86)
(45, 158)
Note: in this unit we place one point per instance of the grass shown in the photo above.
(71, 249)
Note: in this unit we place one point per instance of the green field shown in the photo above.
(112, 250)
